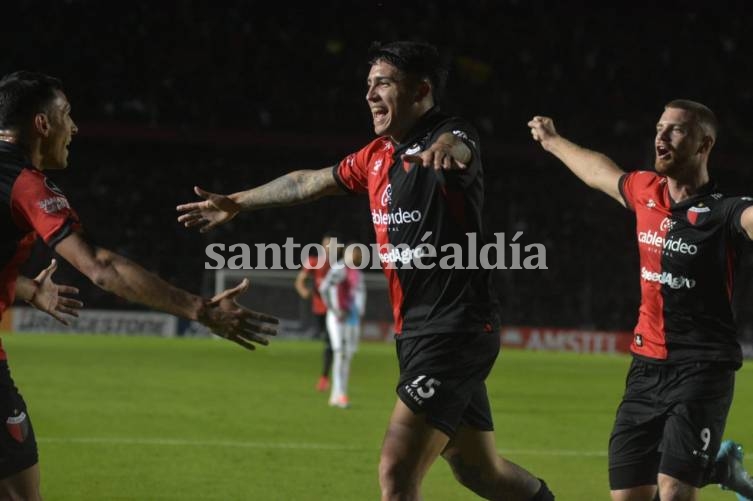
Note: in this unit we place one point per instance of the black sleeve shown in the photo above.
(621, 186)
(737, 206)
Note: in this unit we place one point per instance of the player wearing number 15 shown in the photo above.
(428, 164)
(679, 389)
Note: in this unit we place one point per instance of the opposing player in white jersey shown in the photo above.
(344, 292)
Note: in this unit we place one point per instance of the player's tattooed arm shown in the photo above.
(297, 187)
(746, 220)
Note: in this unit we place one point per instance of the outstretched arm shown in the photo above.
(47, 296)
(593, 168)
(114, 273)
(297, 187)
(447, 152)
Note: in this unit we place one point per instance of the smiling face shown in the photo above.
(56, 128)
(680, 142)
(395, 100)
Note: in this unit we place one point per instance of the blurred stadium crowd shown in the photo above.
(174, 94)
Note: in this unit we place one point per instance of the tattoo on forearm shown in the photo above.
(293, 188)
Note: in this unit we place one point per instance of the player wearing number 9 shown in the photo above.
(679, 388)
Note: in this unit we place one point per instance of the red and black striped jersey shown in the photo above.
(412, 205)
(33, 206)
(688, 254)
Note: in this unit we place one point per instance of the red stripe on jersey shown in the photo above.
(649, 197)
(380, 201)
(368, 171)
(650, 328)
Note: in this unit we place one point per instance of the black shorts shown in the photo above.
(671, 421)
(442, 376)
(18, 447)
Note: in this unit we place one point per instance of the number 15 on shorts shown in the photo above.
(427, 389)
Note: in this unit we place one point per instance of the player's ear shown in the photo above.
(706, 144)
(423, 90)
(42, 124)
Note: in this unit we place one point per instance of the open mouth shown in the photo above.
(662, 152)
(379, 114)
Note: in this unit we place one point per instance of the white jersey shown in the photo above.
(344, 292)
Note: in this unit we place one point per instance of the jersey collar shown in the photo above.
(424, 124)
(703, 191)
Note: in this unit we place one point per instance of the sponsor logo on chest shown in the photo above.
(385, 215)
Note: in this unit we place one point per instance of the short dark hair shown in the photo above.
(23, 94)
(702, 114)
(415, 58)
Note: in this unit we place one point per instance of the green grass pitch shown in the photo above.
(132, 418)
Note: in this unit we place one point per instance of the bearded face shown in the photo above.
(678, 143)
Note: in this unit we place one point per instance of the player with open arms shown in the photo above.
(35, 130)
(669, 426)
(445, 320)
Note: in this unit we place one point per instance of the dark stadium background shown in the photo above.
(228, 95)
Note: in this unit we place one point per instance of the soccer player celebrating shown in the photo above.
(35, 130)
(445, 321)
(679, 389)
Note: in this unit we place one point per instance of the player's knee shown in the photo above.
(672, 489)
(395, 480)
(481, 479)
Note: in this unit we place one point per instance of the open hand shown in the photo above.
(213, 211)
(228, 319)
(438, 156)
(49, 297)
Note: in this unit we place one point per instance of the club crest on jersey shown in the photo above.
(18, 426)
(411, 151)
(695, 213)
